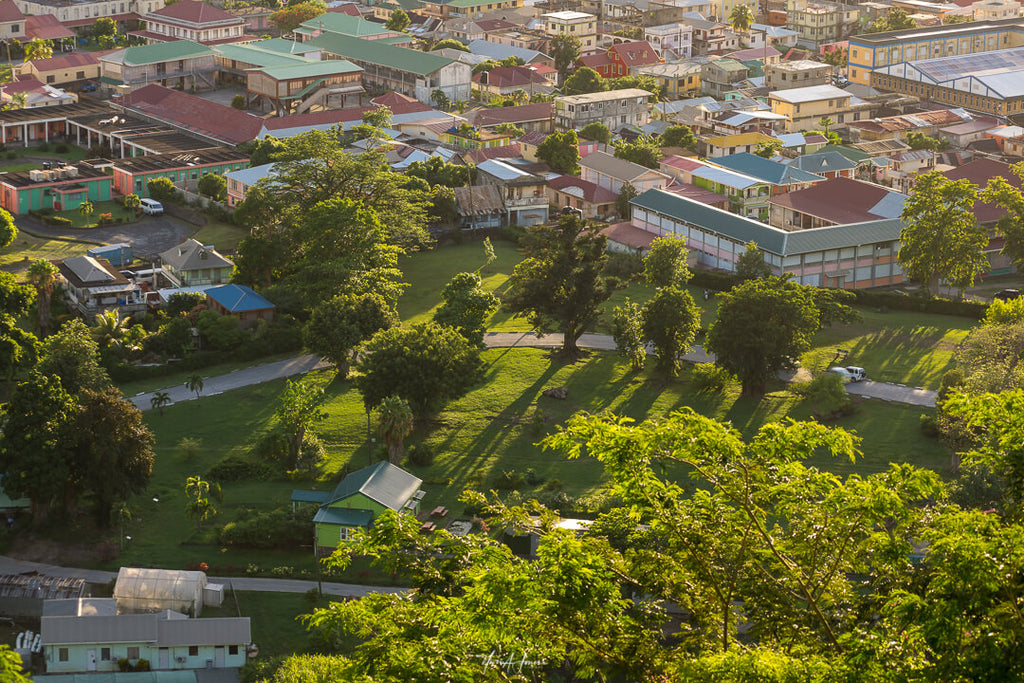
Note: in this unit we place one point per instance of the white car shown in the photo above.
(849, 374)
(151, 207)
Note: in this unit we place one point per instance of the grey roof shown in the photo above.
(80, 607)
(383, 483)
(508, 173)
(498, 51)
(823, 162)
(811, 93)
(217, 631)
(612, 166)
(88, 269)
(839, 236)
(124, 628)
(194, 255)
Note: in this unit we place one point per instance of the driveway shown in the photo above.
(148, 236)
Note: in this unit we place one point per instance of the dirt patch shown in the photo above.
(36, 549)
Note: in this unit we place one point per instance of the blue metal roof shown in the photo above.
(343, 517)
(238, 298)
(823, 162)
(765, 169)
(725, 176)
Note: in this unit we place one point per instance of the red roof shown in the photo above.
(10, 12)
(395, 100)
(46, 27)
(316, 118)
(24, 85)
(591, 192)
(119, 18)
(503, 152)
(978, 172)
(596, 61)
(637, 53)
(68, 61)
(838, 200)
(195, 114)
(629, 235)
(521, 114)
(195, 12)
(488, 25)
(509, 76)
(350, 9)
(699, 194)
(533, 137)
(684, 163)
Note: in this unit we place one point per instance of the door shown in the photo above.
(90, 660)
(218, 656)
(165, 658)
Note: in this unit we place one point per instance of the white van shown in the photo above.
(151, 207)
(850, 373)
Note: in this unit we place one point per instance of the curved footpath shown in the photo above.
(267, 372)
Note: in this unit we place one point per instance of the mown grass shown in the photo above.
(19, 255)
(91, 221)
(275, 623)
(223, 236)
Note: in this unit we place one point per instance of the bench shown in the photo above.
(439, 511)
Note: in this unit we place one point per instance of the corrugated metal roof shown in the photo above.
(238, 298)
(812, 93)
(343, 517)
(384, 483)
(304, 496)
(765, 169)
(217, 631)
(725, 176)
(612, 166)
(377, 52)
(840, 236)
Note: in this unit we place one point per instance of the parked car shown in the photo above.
(1007, 295)
(850, 373)
(151, 207)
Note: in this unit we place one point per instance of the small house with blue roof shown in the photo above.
(240, 302)
(358, 500)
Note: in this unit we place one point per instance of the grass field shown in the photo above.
(223, 236)
(25, 249)
(90, 221)
(276, 628)
(902, 347)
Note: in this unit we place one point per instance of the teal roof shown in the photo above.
(851, 153)
(164, 52)
(377, 52)
(258, 56)
(303, 496)
(382, 483)
(335, 22)
(288, 47)
(823, 162)
(238, 298)
(839, 236)
(328, 67)
(765, 169)
(343, 517)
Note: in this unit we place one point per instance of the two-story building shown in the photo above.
(804, 108)
(193, 263)
(92, 286)
(180, 63)
(672, 41)
(720, 76)
(800, 73)
(524, 193)
(613, 108)
(622, 59)
(193, 20)
(453, 9)
(611, 173)
(835, 202)
(86, 12)
(819, 22)
(311, 86)
(581, 25)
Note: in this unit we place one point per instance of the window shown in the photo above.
(79, 75)
(232, 649)
(193, 650)
(133, 653)
(345, 533)
(104, 654)
(51, 79)
(62, 654)
(15, 28)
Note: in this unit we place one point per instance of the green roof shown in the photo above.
(335, 22)
(382, 483)
(306, 496)
(851, 153)
(328, 67)
(376, 52)
(258, 56)
(164, 52)
(288, 47)
(469, 3)
(343, 517)
(408, 4)
(840, 236)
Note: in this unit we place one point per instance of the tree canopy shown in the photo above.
(337, 326)
(465, 305)
(561, 152)
(565, 50)
(645, 150)
(584, 81)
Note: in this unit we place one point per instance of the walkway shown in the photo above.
(497, 340)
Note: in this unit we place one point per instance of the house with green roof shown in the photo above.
(302, 86)
(354, 27)
(408, 72)
(180, 64)
(359, 499)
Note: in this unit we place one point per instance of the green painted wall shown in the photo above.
(176, 176)
(35, 198)
(328, 535)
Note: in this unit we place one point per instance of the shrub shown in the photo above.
(624, 266)
(421, 455)
(552, 485)
(237, 467)
(708, 377)
(532, 478)
(61, 148)
(277, 528)
(929, 426)
(142, 665)
(712, 279)
(272, 447)
(57, 220)
(513, 233)
(282, 571)
(238, 101)
(123, 664)
(43, 147)
(12, 155)
(507, 481)
(826, 395)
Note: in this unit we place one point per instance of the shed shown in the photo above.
(140, 590)
(213, 594)
(119, 255)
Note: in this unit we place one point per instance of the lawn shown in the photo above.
(72, 153)
(223, 236)
(25, 249)
(902, 347)
(276, 628)
(493, 429)
(179, 377)
(90, 221)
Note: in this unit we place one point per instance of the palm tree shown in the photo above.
(87, 209)
(825, 122)
(38, 49)
(195, 385)
(741, 17)
(159, 400)
(520, 96)
(200, 494)
(395, 421)
(110, 327)
(440, 99)
(43, 276)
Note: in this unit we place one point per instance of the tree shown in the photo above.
(665, 262)
(159, 400)
(1011, 226)
(132, 201)
(399, 21)
(72, 355)
(622, 203)
(670, 322)
(741, 17)
(121, 462)
(36, 452)
(340, 324)
(181, 303)
(18, 348)
(440, 99)
(299, 410)
(561, 285)
(38, 49)
(394, 422)
(645, 150)
(628, 333)
(86, 209)
(161, 189)
(762, 327)
(826, 122)
(835, 57)
(426, 364)
(941, 237)
(43, 276)
(465, 306)
(263, 151)
(680, 136)
(289, 18)
(510, 129)
(379, 117)
(750, 265)
(104, 26)
(918, 140)
(561, 152)
(596, 131)
(10, 666)
(565, 50)
(766, 150)
(583, 81)
(200, 496)
(8, 230)
(437, 171)
(194, 383)
(214, 186)
(450, 43)
(896, 20)
(110, 328)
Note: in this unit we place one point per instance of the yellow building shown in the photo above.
(579, 24)
(451, 9)
(680, 80)
(804, 108)
(882, 50)
(68, 68)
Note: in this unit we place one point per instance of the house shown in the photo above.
(35, 94)
(613, 108)
(594, 201)
(256, 18)
(756, 58)
(963, 134)
(85, 13)
(485, 49)
(524, 193)
(298, 88)
(193, 20)
(902, 168)
(239, 301)
(799, 73)
(819, 22)
(480, 206)
(782, 178)
(181, 63)
(355, 27)
(899, 126)
(132, 175)
(60, 189)
(715, 146)
(622, 59)
(469, 137)
(448, 9)
(748, 195)
(581, 25)
(167, 640)
(679, 79)
(612, 173)
(92, 286)
(827, 164)
(192, 263)
(805, 107)
(358, 500)
(672, 41)
(539, 117)
(48, 27)
(505, 80)
(711, 37)
(777, 36)
(835, 202)
(12, 21)
(200, 118)
(73, 67)
(978, 172)
(239, 182)
(626, 238)
(720, 76)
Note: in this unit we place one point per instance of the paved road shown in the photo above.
(148, 236)
(10, 565)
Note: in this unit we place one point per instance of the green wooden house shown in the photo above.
(359, 499)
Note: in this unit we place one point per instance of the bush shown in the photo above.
(552, 485)
(12, 155)
(271, 447)
(712, 279)
(142, 665)
(929, 426)
(278, 528)
(237, 467)
(513, 233)
(826, 395)
(708, 377)
(624, 266)
(421, 455)
(238, 101)
(923, 304)
(61, 148)
(507, 481)
(57, 220)
(43, 147)
(532, 478)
